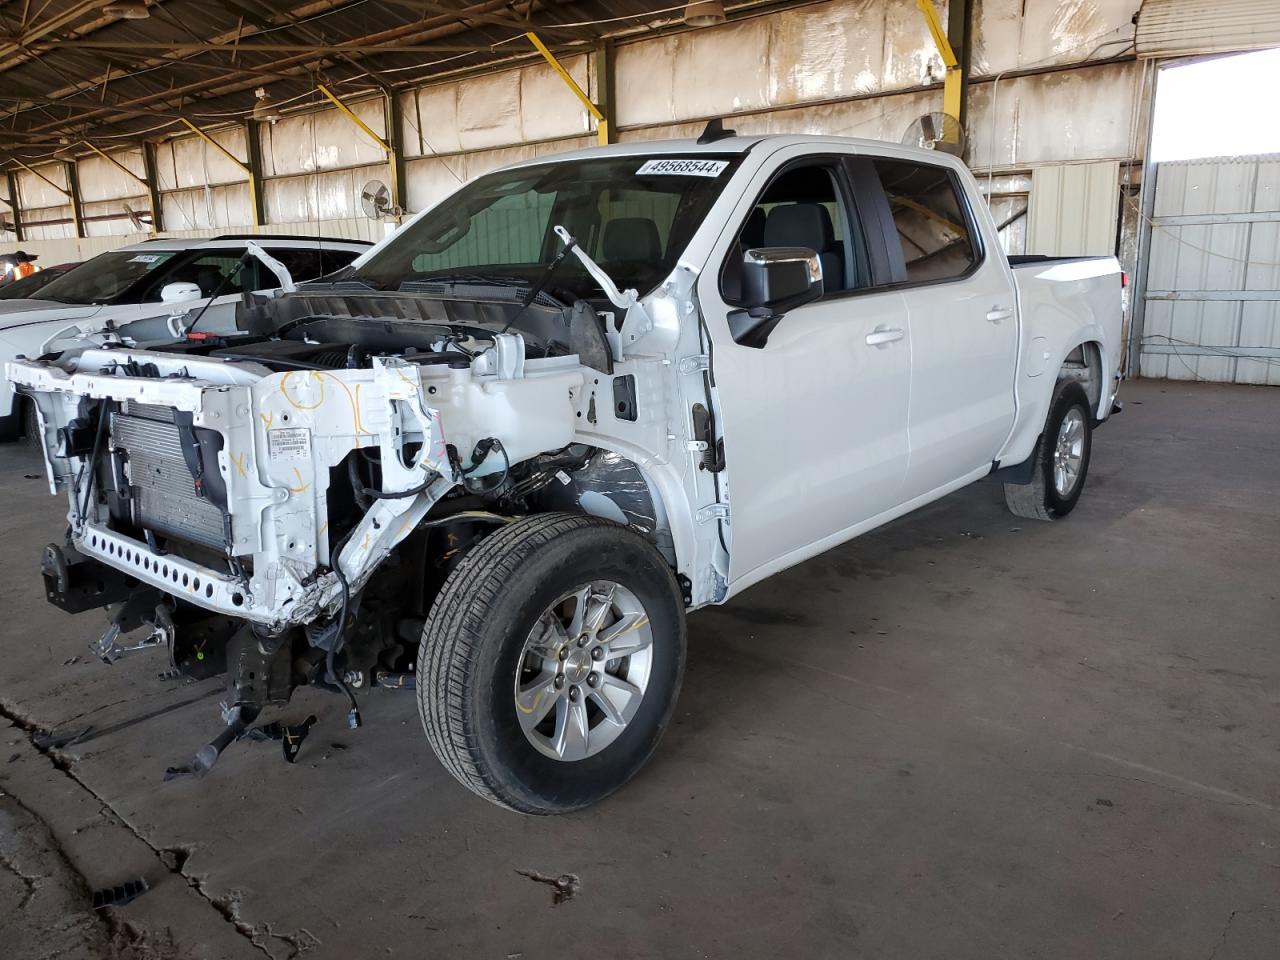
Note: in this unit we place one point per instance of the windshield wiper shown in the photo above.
(486, 279)
(347, 283)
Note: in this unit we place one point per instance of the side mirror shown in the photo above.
(774, 280)
(180, 292)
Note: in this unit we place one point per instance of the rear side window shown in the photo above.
(930, 219)
(302, 264)
(332, 260)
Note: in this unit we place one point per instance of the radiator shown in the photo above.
(161, 488)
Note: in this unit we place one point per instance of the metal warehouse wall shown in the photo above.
(1040, 94)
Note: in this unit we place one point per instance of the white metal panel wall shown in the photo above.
(1073, 209)
(1017, 34)
(1212, 299)
(1168, 28)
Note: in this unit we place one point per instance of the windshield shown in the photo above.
(632, 215)
(105, 277)
(25, 287)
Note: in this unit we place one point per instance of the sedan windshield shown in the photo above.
(632, 215)
(105, 277)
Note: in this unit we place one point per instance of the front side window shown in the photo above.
(929, 217)
(106, 277)
(801, 207)
(632, 215)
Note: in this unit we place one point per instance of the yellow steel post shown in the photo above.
(62, 190)
(386, 147)
(254, 193)
(602, 122)
(115, 162)
(953, 82)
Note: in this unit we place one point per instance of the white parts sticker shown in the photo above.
(682, 168)
(146, 258)
(289, 444)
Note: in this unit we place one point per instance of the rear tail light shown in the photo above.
(1124, 279)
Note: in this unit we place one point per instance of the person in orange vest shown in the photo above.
(24, 264)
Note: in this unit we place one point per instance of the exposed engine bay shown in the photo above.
(284, 504)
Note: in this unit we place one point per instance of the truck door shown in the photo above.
(963, 320)
(814, 420)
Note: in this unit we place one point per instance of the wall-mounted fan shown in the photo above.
(375, 200)
(936, 131)
(136, 219)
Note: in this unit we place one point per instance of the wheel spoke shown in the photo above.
(580, 601)
(570, 740)
(617, 698)
(598, 607)
(626, 637)
(552, 636)
(535, 701)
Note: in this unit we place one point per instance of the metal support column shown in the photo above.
(959, 36)
(953, 83)
(73, 194)
(395, 154)
(15, 208)
(153, 186)
(253, 151)
(606, 91)
(602, 122)
(390, 144)
(255, 182)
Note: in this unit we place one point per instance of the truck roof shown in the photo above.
(729, 145)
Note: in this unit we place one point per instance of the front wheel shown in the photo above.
(550, 662)
(1062, 459)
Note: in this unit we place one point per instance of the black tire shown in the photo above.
(30, 425)
(1040, 499)
(472, 645)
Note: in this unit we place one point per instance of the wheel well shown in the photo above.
(1084, 365)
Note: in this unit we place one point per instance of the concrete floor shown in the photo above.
(961, 736)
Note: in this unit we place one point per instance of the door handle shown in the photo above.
(998, 313)
(883, 336)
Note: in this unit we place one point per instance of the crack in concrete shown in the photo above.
(31, 883)
(1222, 939)
(173, 859)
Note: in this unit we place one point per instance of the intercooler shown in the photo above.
(161, 489)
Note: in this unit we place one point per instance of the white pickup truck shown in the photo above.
(503, 453)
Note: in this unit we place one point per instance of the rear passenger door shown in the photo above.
(962, 314)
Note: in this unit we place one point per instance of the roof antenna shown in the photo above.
(715, 131)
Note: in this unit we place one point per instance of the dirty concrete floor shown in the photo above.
(963, 736)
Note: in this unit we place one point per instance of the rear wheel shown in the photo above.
(1062, 459)
(550, 662)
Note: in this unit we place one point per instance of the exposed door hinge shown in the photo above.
(698, 364)
(714, 511)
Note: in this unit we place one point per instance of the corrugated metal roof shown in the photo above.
(72, 72)
(1184, 27)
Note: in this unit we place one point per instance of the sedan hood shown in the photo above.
(20, 313)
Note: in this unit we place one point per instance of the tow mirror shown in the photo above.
(774, 280)
(180, 292)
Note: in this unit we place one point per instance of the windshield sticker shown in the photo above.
(683, 168)
(146, 258)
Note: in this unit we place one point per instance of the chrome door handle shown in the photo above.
(883, 336)
(996, 314)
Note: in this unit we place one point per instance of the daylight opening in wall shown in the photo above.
(1217, 108)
